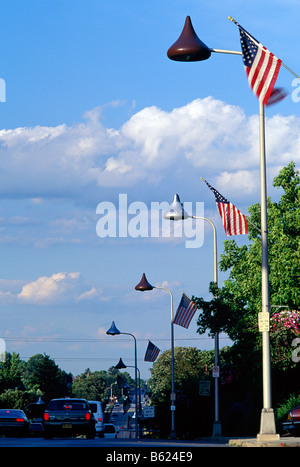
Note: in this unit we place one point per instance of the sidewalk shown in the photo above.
(285, 441)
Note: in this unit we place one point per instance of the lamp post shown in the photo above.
(111, 390)
(145, 285)
(113, 331)
(176, 213)
(189, 48)
(121, 365)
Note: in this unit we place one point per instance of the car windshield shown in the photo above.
(67, 405)
(10, 413)
(93, 407)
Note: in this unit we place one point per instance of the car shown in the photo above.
(67, 417)
(292, 425)
(13, 422)
(96, 408)
(110, 430)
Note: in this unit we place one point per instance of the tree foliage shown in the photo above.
(41, 372)
(23, 382)
(98, 385)
(194, 413)
(235, 306)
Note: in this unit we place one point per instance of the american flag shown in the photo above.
(234, 221)
(185, 312)
(262, 67)
(151, 353)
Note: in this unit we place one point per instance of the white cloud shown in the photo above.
(61, 286)
(207, 135)
(231, 182)
(88, 294)
(47, 289)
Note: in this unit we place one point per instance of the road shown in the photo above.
(112, 444)
(124, 441)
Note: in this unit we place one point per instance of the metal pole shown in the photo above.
(135, 384)
(264, 259)
(222, 51)
(217, 430)
(173, 395)
(267, 424)
(136, 390)
(140, 404)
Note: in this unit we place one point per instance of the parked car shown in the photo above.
(68, 416)
(110, 430)
(96, 408)
(13, 422)
(292, 425)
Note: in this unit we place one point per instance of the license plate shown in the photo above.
(66, 425)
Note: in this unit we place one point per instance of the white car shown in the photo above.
(110, 430)
(96, 408)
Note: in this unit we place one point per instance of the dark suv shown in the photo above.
(66, 417)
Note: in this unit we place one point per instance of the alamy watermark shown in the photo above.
(138, 220)
(2, 90)
(296, 352)
(296, 92)
(2, 350)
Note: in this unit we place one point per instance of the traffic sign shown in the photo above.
(263, 321)
(204, 388)
(148, 411)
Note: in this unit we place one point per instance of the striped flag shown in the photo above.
(185, 312)
(234, 221)
(262, 67)
(151, 353)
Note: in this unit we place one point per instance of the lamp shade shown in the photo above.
(176, 211)
(188, 47)
(144, 284)
(120, 364)
(113, 330)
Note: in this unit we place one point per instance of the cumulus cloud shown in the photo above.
(47, 289)
(58, 287)
(206, 134)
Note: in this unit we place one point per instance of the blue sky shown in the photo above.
(93, 110)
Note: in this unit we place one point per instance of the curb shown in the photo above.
(254, 443)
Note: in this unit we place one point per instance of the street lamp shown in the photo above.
(113, 331)
(188, 48)
(176, 213)
(145, 285)
(121, 365)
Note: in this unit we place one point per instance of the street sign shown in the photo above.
(204, 388)
(263, 321)
(148, 412)
(216, 371)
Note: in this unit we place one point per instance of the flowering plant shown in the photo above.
(284, 327)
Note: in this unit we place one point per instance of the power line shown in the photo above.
(58, 339)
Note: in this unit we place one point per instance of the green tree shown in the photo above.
(90, 386)
(235, 306)
(97, 385)
(194, 414)
(11, 372)
(17, 398)
(41, 372)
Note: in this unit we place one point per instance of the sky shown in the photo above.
(99, 130)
